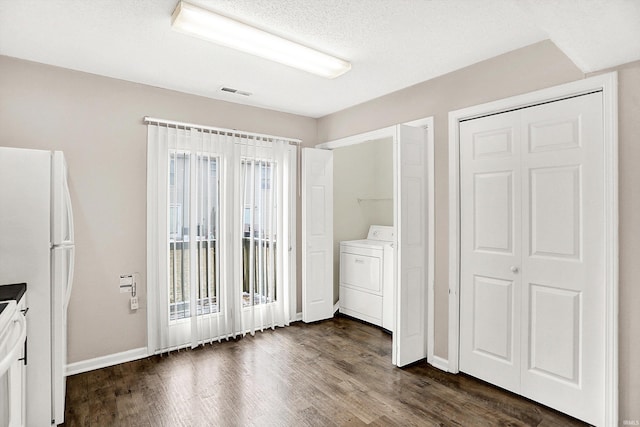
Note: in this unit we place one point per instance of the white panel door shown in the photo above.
(563, 276)
(532, 253)
(317, 234)
(410, 333)
(490, 243)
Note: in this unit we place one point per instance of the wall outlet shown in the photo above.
(134, 303)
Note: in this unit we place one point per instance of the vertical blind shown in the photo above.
(221, 216)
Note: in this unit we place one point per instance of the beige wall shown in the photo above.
(97, 122)
(535, 67)
(362, 171)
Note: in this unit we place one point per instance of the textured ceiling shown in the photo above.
(392, 44)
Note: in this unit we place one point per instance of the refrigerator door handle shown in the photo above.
(72, 264)
(67, 197)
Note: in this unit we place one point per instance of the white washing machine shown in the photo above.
(366, 277)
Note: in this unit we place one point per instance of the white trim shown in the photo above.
(431, 241)
(336, 307)
(607, 83)
(420, 123)
(454, 242)
(440, 363)
(298, 317)
(610, 107)
(105, 361)
(374, 135)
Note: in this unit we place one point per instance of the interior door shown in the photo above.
(317, 234)
(490, 220)
(410, 334)
(563, 298)
(532, 253)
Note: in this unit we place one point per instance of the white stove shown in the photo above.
(8, 310)
(13, 333)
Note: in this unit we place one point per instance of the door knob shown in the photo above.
(514, 269)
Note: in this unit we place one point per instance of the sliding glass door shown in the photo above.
(221, 256)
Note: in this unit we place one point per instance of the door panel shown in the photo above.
(493, 212)
(490, 246)
(555, 339)
(563, 266)
(409, 338)
(555, 200)
(493, 318)
(317, 234)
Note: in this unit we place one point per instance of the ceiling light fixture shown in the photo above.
(205, 24)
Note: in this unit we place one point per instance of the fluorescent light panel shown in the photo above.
(210, 26)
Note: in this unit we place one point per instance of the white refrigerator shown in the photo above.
(37, 247)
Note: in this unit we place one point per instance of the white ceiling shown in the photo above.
(392, 44)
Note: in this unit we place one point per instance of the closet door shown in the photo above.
(410, 216)
(490, 249)
(563, 272)
(532, 253)
(317, 234)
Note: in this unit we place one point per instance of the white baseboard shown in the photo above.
(336, 307)
(440, 363)
(298, 317)
(104, 361)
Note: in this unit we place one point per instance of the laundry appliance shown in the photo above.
(367, 275)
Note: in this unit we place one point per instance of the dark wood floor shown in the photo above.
(333, 373)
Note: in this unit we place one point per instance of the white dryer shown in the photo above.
(366, 277)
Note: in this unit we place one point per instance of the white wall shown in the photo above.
(362, 171)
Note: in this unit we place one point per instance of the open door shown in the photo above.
(317, 234)
(410, 336)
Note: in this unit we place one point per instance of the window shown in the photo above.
(259, 233)
(205, 243)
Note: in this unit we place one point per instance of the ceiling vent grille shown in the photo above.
(236, 91)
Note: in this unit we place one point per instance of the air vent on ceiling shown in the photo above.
(236, 91)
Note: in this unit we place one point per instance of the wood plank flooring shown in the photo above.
(332, 373)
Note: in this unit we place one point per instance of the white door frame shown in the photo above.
(607, 83)
(390, 132)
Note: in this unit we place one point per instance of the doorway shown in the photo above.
(363, 196)
(413, 222)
